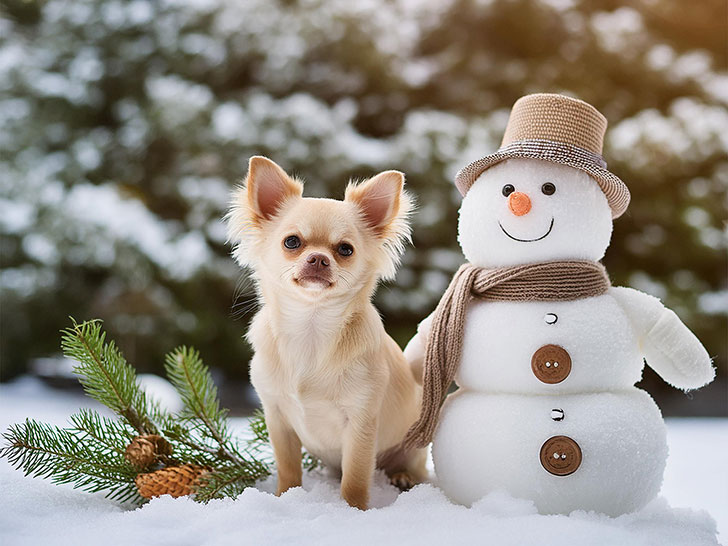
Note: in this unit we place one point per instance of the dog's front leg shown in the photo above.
(286, 449)
(358, 460)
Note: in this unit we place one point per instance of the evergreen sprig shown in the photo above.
(90, 453)
(194, 383)
(108, 435)
(65, 456)
(105, 374)
(224, 482)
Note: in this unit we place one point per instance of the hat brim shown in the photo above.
(614, 189)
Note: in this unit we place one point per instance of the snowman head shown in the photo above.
(530, 210)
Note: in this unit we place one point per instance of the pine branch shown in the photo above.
(259, 428)
(92, 453)
(105, 374)
(228, 481)
(190, 448)
(65, 456)
(107, 434)
(194, 383)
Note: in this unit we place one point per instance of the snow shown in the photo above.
(229, 121)
(15, 217)
(714, 303)
(617, 30)
(129, 220)
(179, 101)
(161, 391)
(34, 511)
(691, 130)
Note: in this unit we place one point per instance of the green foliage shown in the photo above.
(194, 383)
(207, 432)
(105, 375)
(90, 453)
(108, 435)
(70, 456)
(258, 427)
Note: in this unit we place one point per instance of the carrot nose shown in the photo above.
(519, 203)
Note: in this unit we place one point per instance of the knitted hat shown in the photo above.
(559, 129)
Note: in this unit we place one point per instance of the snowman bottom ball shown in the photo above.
(603, 451)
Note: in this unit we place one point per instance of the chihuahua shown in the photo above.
(328, 375)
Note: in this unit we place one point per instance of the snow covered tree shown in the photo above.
(125, 123)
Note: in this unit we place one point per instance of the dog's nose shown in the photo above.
(519, 203)
(318, 260)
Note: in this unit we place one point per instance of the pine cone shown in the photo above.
(145, 450)
(176, 481)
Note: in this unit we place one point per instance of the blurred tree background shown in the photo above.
(124, 125)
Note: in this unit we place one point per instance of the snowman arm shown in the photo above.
(668, 346)
(414, 352)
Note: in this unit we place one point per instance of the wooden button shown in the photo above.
(560, 455)
(551, 364)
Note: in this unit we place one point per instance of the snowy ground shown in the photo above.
(34, 512)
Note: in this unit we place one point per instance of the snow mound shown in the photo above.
(34, 511)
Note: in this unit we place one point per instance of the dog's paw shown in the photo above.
(403, 481)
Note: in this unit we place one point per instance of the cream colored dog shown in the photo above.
(328, 375)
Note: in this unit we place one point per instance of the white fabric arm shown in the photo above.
(414, 352)
(668, 346)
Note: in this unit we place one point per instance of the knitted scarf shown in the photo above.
(548, 281)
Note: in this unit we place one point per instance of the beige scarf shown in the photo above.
(549, 281)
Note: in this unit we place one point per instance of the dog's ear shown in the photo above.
(385, 208)
(379, 199)
(268, 187)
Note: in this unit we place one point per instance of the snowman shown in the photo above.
(544, 351)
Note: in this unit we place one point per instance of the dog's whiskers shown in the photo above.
(242, 308)
(244, 297)
(344, 280)
(285, 272)
(345, 272)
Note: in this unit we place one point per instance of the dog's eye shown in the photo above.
(291, 242)
(508, 189)
(548, 188)
(345, 249)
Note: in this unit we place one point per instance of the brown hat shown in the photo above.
(559, 129)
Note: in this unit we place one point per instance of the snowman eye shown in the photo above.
(548, 188)
(508, 189)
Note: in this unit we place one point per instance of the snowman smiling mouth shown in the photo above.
(551, 226)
